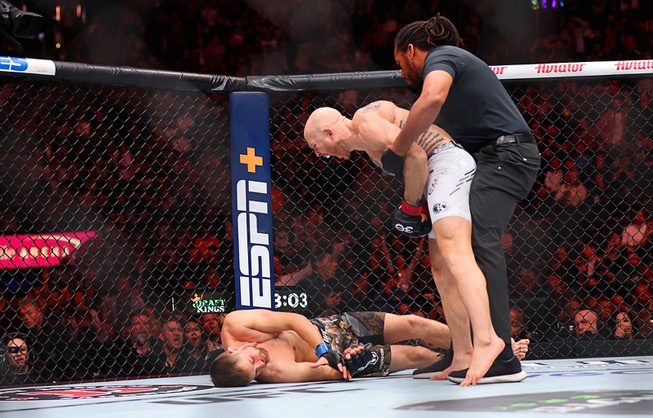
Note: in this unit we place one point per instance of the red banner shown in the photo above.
(39, 250)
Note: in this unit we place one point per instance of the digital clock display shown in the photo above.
(284, 299)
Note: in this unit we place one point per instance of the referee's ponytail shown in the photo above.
(427, 34)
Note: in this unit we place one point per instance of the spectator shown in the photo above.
(643, 320)
(205, 248)
(123, 299)
(173, 356)
(623, 328)
(571, 192)
(283, 248)
(155, 322)
(621, 180)
(518, 328)
(642, 295)
(194, 345)
(135, 356)
(211, 324)
(524, 283)
(566, 318)
(612, 127)
(53, 350)
(604, 308)
(380, 261)
(18, 369)
(587, 325)
(91, 334)
(588, 261)
(290, 279)
(213, 280)
(619, 303)
(325, 287)
(563, 265)
(594, 275)
(638, 233)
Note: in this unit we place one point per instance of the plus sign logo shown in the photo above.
(251, 160)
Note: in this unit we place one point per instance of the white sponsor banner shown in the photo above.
(572, 69)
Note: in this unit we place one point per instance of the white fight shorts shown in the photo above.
(451, 170)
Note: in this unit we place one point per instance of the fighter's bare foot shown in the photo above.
(483, 357)
(456, 364)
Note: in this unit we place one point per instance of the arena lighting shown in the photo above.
(21, 24)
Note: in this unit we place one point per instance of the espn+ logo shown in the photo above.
(254, 254)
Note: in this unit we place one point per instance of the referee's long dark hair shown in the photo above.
(427, 34)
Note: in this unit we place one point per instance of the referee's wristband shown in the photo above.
(321, 349)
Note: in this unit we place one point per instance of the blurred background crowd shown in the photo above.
(260, 37)
(150, 172)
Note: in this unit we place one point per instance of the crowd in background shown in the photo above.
(257, 37)
(154, 171)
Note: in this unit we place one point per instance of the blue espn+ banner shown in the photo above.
(251, 200)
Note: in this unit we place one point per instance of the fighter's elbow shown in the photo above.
(416, 155)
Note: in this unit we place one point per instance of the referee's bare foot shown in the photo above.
(483, 357)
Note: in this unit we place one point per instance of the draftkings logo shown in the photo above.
(94, 392)
(617, 402)
(203, 305)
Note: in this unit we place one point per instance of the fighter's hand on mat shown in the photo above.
(335, 360)
(392, 163)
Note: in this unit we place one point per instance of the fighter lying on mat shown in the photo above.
(280, 347)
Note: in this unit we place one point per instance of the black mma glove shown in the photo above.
(393, 163)
(408, 220)
(361, 363)
(333, 357)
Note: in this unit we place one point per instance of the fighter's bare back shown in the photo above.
(378, 124)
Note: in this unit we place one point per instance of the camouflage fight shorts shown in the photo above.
(352, 329)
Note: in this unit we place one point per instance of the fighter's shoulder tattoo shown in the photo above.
(371, 108)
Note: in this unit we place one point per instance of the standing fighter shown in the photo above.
(463, 95)
(373, 129)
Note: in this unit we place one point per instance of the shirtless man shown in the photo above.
(459, 280)
(281, 347)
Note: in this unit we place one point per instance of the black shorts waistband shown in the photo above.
(520, 138)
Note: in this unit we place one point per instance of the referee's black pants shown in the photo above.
(504, 175)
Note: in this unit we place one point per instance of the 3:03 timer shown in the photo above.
(292, 300)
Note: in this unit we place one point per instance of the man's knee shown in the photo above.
(452, 230)
(412, 321)
(455, 248)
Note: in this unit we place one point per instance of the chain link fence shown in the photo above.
(133, 184)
